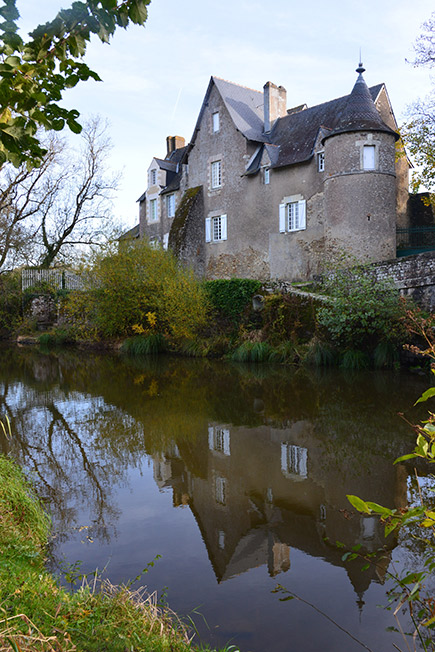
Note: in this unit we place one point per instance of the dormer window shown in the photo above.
(369, 159)
(153, 177)
(215, 121)
(321, 162)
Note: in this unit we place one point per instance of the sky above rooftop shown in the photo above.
(155, 78)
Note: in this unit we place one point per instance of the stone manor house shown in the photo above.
(269, 192)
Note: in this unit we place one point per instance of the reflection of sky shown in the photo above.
(106, 480)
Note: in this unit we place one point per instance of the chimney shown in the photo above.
(275, 104)
(173, 143)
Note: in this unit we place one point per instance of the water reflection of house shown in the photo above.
(258, 492)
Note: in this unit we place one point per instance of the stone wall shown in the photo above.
(414, 276)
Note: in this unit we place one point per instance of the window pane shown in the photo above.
(266, 176)
(369, 157)
(216, 121)
(170, 202)
(321, 161)
(217, 228)
(216, 174)
(153, 209)
(293, 216)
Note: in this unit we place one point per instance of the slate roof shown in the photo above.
(131, 234)
(358, 112)
(295, 135)
(167, 165)
(245, 106)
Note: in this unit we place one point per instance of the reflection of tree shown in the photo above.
(81, 420)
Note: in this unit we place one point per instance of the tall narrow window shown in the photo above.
(220, 488)
(153, 177)
(369, 157)
(153, 210)
(170, 205)
(321, 162)
(215, 120)
(216, 174)
(266, 176)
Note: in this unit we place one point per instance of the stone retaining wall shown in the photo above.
(414, 276)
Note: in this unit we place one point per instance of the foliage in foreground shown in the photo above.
(36, 614)
(417, 521)
(138, 290)
(35, 73)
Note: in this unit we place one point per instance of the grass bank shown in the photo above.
(38, 615)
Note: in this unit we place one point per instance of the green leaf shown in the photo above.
(359, 504)
(426, 395)
(403, 458)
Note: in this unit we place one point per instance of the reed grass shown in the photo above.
(38, 615)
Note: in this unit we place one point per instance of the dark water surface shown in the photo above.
(236, 475)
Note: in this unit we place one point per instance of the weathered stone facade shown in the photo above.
(282, 191)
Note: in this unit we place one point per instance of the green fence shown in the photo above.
(415, 240)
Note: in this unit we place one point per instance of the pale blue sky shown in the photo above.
(155, 77)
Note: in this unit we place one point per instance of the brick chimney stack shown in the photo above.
(275, 104)
(173, 143)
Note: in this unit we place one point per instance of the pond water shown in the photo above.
(236, 475)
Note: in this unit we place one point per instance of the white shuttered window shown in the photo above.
(292, 216)
(216, 228)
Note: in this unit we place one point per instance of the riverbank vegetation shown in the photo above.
(37, 614)
(140, 299)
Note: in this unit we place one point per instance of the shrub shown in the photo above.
(139, 289)
(363, 310)
(289, 317)
(10, 302)
(231, 297)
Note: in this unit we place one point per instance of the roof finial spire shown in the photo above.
(360, 68)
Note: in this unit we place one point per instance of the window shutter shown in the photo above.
(282, 218)
(208, 229)
(302, 219)
(227, 442)
(211, 438)
(223, 227)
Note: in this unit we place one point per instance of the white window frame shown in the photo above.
(369, 157)
(153, 217)
(220, 489)
(294, 460)
(215, 122)
(170, 205)
(219, 440)
(292, 216)
(216, 175)
(266, 176)
(321, 162)
(153, 177)
(216, 228)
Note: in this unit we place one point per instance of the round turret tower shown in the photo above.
(360, 180)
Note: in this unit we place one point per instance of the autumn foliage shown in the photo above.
(138, 290)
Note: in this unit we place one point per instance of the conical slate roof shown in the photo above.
(359, 112)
